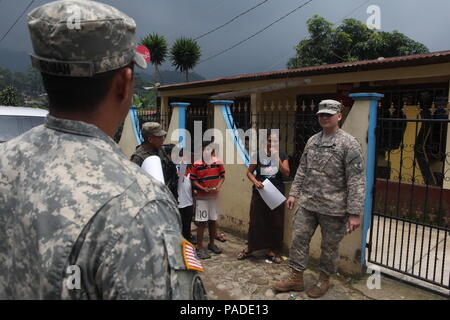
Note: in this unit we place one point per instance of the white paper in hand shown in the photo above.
(152, 165)
(271, 195)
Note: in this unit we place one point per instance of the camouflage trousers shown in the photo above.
(333, 231)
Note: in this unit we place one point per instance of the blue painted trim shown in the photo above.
(182, 106)
(135, 125)
(226, 112)
(222, 102)
(370, 168)
(366, 96)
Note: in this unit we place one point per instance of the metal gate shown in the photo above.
(410, 227)
(200, 112)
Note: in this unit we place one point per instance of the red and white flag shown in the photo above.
(190, 257)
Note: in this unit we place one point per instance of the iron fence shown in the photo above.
(411, 213)
(295, 120)
(200, 113)
(154, 116)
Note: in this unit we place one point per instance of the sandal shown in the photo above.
(203, 254)
(243, 255)
(221, 237)
(215, 249)
(274, 258)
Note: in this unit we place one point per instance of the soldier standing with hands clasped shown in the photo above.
(153, 145)
(329, 185)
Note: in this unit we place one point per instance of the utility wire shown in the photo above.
(17, 20)
(353, 11)
(183, 27)
(231, 20)
(255, 34)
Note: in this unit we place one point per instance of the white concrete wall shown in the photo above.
(128, 140)
(237, 190)
(174, 125)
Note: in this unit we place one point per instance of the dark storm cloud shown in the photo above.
(424, 21)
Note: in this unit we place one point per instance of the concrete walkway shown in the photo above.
(226, 278)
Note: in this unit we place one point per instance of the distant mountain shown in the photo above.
(19, 61)
(16, 61)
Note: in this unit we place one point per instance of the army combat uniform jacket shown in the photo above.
(70, 200)
(330, 178)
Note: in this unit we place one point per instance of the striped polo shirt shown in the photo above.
(207, 176)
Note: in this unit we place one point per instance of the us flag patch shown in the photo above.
(190, 257)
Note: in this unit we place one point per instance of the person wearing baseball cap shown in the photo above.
(329, 107)
(329, 185)
(153, 145)
(79, 220)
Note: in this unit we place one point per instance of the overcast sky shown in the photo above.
(424, 21)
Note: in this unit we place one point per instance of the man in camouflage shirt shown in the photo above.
(154, 136)
(329, 186)
(78, 220)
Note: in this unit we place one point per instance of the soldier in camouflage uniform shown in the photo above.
(329, 186)
(153, 146)
(78, 220)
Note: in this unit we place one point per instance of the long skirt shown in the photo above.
(266, 226)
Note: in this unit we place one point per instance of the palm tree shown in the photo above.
(9, 96)
(158, 51)
(185, 55)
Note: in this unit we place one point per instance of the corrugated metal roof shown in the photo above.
(366, 65)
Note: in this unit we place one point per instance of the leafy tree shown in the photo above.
(158, 51)
(33, 82)
(10, 97)
(6, 77)
(185, 55)
(145, 98)
(350, 41)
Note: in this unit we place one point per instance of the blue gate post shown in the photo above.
(373, 99)
(181, 107)
(135, 125)
(224, 111)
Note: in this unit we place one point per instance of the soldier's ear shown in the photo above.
(123, 84)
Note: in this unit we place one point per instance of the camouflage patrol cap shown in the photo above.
(80, 38)
(330, 107)
(152, 129)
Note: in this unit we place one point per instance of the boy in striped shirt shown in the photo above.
(207, 179)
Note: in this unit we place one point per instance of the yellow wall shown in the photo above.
(236, 191)
(407, 155)
(447, 163)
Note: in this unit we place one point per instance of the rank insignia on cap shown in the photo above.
(190, 257)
